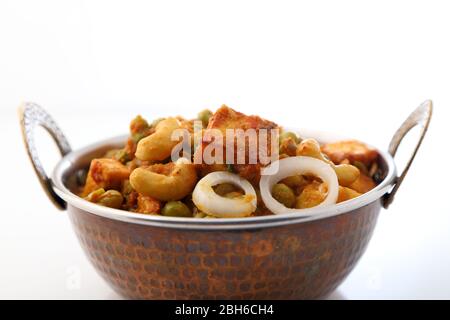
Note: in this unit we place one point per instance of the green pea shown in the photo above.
(294, 181)
(283, 194)
(122, 156)
(224, 188)
(204, 117)
(95, 195)
(288, 134)
(138, 124)
(111, 199)
(176, 209)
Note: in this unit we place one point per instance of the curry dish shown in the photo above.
(144, 177)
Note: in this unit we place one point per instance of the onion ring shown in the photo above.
(208, 201)
(296, 166)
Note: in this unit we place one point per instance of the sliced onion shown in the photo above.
(293, 166)
(208, 201)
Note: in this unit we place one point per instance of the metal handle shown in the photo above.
(421, 116)
(32, 115)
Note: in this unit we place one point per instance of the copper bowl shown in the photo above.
(272, 257)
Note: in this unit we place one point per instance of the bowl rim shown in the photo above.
(305, 215)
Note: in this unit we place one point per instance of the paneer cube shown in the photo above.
(105, 173)
(351, 150)
(148, 205)
(226, 118)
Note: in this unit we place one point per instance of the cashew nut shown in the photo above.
(158, 146)
(346, 173)
(165, 182)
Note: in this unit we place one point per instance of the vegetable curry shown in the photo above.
(144, 177)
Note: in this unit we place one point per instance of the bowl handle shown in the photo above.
(32, 115)
(421, 116)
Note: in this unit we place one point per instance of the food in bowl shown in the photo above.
(301, 255)
(227, 165)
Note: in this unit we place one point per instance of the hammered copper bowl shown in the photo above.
(273, 257)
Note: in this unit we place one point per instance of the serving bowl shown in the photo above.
(290, 256)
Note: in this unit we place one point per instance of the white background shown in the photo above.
(356, 67)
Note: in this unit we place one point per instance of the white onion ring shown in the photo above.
(296, 166)
(208, 201)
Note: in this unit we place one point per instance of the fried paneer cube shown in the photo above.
(226, 118)
(350, 150)
(148, 205)
(105, 173)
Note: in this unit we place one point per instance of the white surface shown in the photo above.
(340, 66)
